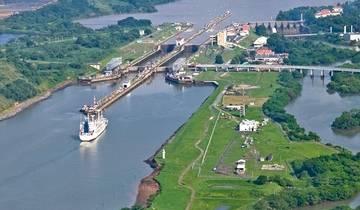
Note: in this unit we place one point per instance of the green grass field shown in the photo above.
(187, 182)
(142, 46)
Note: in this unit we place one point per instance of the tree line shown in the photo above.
(325, 178)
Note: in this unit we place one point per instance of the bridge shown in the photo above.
(149, 70)
(275, 22)
(268, 67)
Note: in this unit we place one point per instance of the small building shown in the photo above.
(245, 27)
(238, 107)
(240, 167)
(141, 32)
(113, 65)
(178, 28)
(264, 51)
(323, 13)
(231, 32)
(248, 125)
(352, 37)
(266, 55)
(180, 41)
(335, 11)
(222, 38)
(126, 84)
(213, 39)
(95, 66)
(260, 42)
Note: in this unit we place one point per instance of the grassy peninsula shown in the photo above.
(198, 171)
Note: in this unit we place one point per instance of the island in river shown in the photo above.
(348, 120)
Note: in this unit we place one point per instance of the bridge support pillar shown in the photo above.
(258, 69)
(269, 70)
(322, 73)
(312, 73)
(291, 70)
(248, 69)
(301, 71)
(206, 69)
(331, 73)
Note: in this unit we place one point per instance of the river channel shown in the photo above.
(316, 109)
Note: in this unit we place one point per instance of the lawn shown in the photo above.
(183, 170)
(142, 46)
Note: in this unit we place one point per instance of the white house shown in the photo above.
(180, 41)
(260, 42)
(240, 166)
(352, 37)
(248, 125)
(142, 32)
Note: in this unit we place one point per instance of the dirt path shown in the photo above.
(202, 152)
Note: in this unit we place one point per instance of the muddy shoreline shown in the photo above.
(17, 108)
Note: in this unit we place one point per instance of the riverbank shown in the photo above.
(19, 107)
(149, 187)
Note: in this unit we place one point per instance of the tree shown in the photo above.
(261, 180)
(260, 30)
(219, 59)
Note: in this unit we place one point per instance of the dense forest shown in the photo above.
(309, 52)
(53, 48)
(275, 107)
(325, 178)
(347, 120)
(345, 83)
(349, 17)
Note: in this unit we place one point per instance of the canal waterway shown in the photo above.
(44, 166)
(316, 109)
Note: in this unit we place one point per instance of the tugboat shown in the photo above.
(92, 126)
(179, 78)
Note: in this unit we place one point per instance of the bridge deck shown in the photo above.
(277, 67)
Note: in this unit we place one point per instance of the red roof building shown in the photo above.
(264, 51)
(245, 27)
(323, 13)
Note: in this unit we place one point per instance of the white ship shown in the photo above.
(93, 125)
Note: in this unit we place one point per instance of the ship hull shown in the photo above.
(94, 135)
(178, 81)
